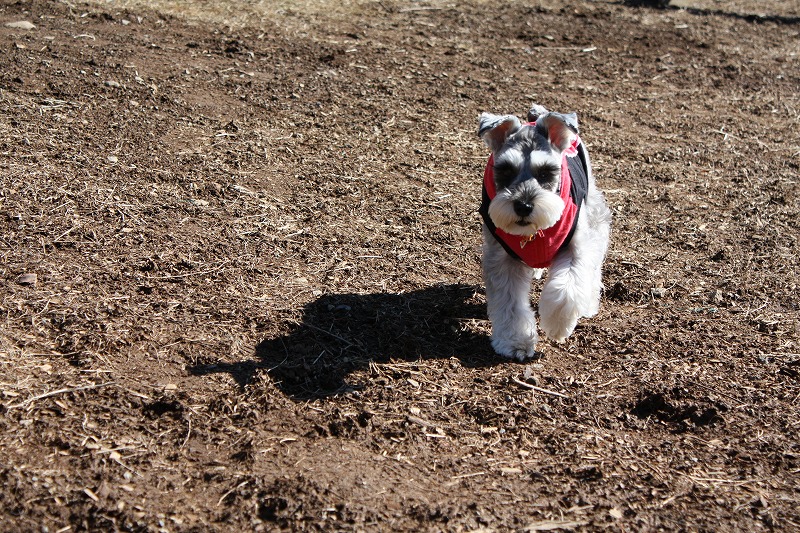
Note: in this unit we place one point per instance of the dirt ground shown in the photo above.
(240, 269)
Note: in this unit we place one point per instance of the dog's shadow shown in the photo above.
(342, 333)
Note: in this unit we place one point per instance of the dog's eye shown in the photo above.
(506, 170)
(547, 172)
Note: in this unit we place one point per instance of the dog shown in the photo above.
(541, 210)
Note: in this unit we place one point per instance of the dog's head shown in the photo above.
(527, 168)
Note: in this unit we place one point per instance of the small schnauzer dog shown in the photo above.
(541, 209)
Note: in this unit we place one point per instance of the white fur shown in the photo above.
(508, 283)
(512, 157)
(547, 211)
(538, 159)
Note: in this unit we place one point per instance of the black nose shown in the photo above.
(523, 209)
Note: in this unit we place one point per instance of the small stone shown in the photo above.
(27, 279)
(658, 292)
(112, 83)
(21, 25)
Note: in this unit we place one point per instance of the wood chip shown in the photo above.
(417, 420)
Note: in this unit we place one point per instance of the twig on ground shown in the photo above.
(188, 432)
(234, 489)
(538, 389)
(186, 275)
(59, 391)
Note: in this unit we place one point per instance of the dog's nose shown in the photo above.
(522, 209)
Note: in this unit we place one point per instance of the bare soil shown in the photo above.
(239, 258)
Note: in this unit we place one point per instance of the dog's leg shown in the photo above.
(564, 295)
(573, 285)
(508, 284)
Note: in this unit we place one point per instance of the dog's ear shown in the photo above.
(572, 121)
(560, 129)
(495, 129)
(536, 111)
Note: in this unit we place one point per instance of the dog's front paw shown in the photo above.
(517, 349)
(558, 324)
